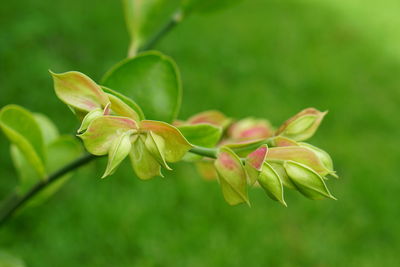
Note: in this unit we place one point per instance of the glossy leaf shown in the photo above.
(307, 181)
(79, 91)
(143, 162)
(175, 144)
(152, 80)
(232, 176)
(271, 182)
(23, 131)
(102, 132)
(205, 135)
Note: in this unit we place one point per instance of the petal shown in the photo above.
(79, 91)
(307, 181)
(232, 176)
(175, 144)
(102, 132)
(119, 150)
(143, 163)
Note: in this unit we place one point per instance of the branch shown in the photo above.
(11, 205)
(175, 19)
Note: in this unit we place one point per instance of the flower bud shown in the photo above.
(280, 170)
(98, 112)
(307, 181)
(249, 129)
(143, 162)
(254, 163)
(303, 125)
(271, 182)
(212, 117)
(299, 154)
(232, 177)
(324, 157)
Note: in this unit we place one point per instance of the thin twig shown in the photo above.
(14, 202)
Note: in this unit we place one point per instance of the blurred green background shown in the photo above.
(258, 58)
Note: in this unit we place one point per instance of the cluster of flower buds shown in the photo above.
(113, 125)
(251, 152)
(248, 152)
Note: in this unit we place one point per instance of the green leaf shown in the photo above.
(232, 176)
(204, 6)
(47, 127)
(26, 174)
(143, 162)
(61, 151)
(145, 18)
(175, 144)
(152, 80)
(23, 131)
(205, 135)
(307, 181)
(271, 182)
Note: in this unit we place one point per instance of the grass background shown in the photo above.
(259, 58)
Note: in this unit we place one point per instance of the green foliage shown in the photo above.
(152, 80)
(21, 128)
(57, 150)
(145, 18)
(205, 135)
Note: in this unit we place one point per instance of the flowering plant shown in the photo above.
(132, 113)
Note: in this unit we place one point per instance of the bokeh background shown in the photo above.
(258, 58)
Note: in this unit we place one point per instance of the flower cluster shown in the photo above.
(247, 152)
(252, 152)
(113, 125)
